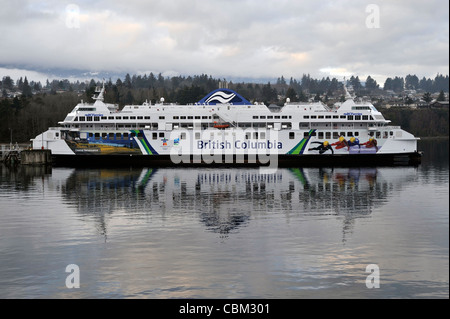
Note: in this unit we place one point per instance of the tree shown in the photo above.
(371, 84)
(427, 97)
(441, 96)
(26, 89)
(290, 94)
(411, 82)
(7, 83)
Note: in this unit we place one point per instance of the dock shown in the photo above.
(12, 155)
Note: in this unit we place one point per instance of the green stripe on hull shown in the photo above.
(300, 147)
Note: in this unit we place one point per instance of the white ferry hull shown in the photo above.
(230, 131)
(214, 147)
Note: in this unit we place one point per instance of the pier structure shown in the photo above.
(14, 155)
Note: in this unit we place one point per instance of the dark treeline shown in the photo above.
(422, 122)
(28, 108)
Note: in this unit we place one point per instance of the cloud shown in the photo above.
(244, 38)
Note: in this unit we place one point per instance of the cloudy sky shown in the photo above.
(226, 38)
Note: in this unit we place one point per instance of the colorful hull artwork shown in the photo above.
(139, 145)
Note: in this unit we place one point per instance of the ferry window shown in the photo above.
(89, 118)
(335, 116)
(110, 117)
(90, 135)
(365, 117)
(378, 135)
(104, 135)
(190, 117)
(132, 117)
(111, 136)
(357, 117)
(118, 117)
(197, 117)
(197, 135)
(262, 135)
(306, 116)
(215, 117)
(320, 116)
(255, 117)
(162, 117)
(284, 117)
(277, 117)
(182, 117)
(350, 117)
(155, 136)
(262, 117)
(385, 135)
(146, 117)
(305, 134)
(247, 136)
(342, 117)
(391, 133)
(255, 135)
(270, 117)
(335, 135)
(96, 118)
(328, 135)
(125, 136)
(133, 134)
(204, 117)
(97, 136)
(183, 136)
(161, 134)
(125, 117)
(328, 116)
(140, 117)
(320, 135)
(118, 136)
(313, 116)
(291, 135)
(104, 118)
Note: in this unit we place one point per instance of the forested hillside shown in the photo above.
(34, 107)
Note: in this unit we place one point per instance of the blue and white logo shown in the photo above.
(224, 96)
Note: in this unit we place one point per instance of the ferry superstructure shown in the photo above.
(225, 128)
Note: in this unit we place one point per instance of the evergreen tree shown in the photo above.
(26, 89)
(371, 84)
(441, 96)
(290, 94)
(427, 97)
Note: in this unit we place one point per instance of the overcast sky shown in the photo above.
(227, 39)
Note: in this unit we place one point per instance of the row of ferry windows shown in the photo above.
(255, 117)
(271, 117)
(98, 118)
(348, 117)
(248, 135)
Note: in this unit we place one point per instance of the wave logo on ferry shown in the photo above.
(224, 96)
(221, 97)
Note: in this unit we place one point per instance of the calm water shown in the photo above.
(227, 233)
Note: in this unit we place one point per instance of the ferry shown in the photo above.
(225, 128)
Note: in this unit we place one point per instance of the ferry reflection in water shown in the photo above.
(226, 200)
